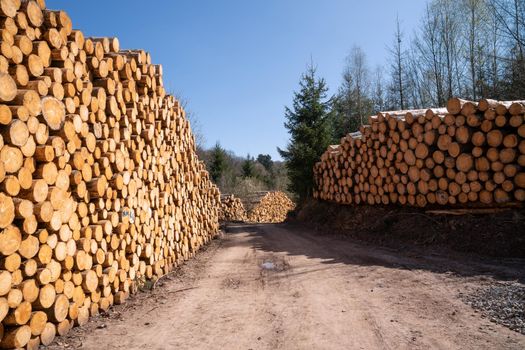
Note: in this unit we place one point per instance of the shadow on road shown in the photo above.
(331, 249)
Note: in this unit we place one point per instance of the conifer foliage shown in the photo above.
(308, 123)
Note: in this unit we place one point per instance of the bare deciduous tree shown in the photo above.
(357, 79)
(378, 91)
(196, 125)
(397, 66)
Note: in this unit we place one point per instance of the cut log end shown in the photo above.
(7, 210)
(8, 88)
(54, 112)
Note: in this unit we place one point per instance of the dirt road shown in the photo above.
(276, 287)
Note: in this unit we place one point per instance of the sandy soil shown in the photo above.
(283, 287)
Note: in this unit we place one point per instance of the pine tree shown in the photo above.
(266, 161)
(217, 162)
(308, 125)
(248, 167)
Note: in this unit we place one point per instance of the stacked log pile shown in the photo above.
(469, 154)
(100, 185)
(232, 209)
(273, 207)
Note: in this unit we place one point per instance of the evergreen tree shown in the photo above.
(248, 167)
(217, 162)
(308, 125)
(266, 161)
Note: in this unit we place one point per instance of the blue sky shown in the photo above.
(239, 61)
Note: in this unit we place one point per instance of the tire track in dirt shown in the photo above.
(280, 287)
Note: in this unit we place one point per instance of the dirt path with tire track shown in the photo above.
(282, 287)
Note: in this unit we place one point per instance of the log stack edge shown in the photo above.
(100, 184)
(469, 154)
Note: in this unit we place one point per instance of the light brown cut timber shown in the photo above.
(38, 322)
(58, 312)
(16, 337)
(7, 211)
(455, 105)
(29, 290)
(48, 334)
(54, 112)
(9, 7)
(5, 282)
(8, 88)
(14, 298)
(4, 308)
(17, 133)
(20, 316)
(34, 13)
(30, 100)
(34, 343)
(46, 297)
(35, 65)
(29, 246)
(44, 211)
(23, 208)
(11, 264)
(38, 191)
(5, 115)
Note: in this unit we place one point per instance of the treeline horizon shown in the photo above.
(242, 176)
(471, 49)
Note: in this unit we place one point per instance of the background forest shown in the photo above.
(471, 49)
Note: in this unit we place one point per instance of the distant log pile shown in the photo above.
(261, 207)
(100, 185)
(273, 207)
(469, 154)
(232, 209)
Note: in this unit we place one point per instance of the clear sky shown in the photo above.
(239, 61)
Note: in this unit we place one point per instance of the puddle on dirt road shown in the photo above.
(273, 264)
(270, 269)
(268, 265)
